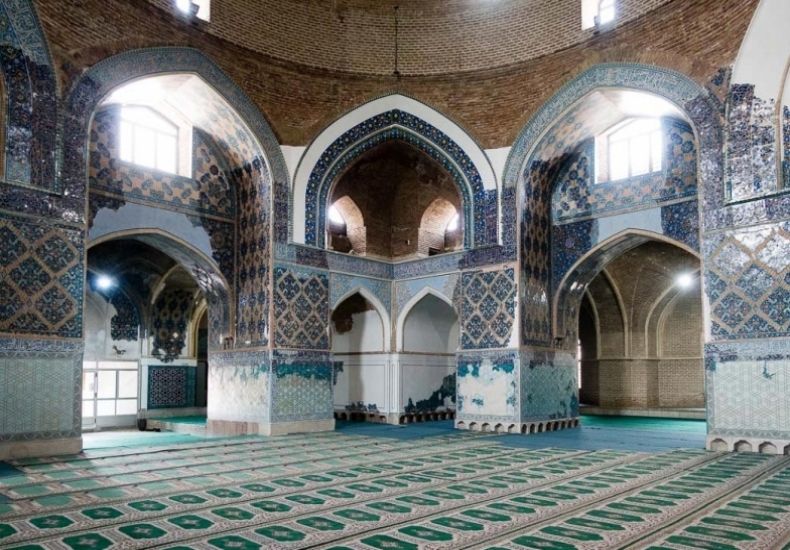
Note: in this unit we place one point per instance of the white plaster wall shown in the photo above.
(247, 383)
(431, 327)
(98, 340)
(490, 385)
(133, 216)
(646, 220)
(292, 155)
(364, 378)
(763, 56)
(421, 375)
(498, 158)
(366, 334)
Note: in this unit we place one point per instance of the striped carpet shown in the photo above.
(344, 490)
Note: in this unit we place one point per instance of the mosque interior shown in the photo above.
(353, 274)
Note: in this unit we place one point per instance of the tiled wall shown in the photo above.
(171, 387)
(301, 308)
(169, 318)
(208, 190)
(43, 268)
(40, 389)
(247, 377)
(577, 195)
(302, 386)
(488, 308)
(488, 387)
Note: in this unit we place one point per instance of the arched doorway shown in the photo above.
(157, 304)
(640, 334)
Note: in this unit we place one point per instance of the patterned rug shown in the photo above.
(343, 491)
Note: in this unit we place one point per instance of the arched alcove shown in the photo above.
(429, 336)
(405, 120)
(359, 342)
(441, 228)
(396, 199)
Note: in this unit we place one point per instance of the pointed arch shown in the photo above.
(206, 272)
(413, 301)
(377, 305)
(567, 298)
(394, 117)
(103, 77)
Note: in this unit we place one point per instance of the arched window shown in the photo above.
(634, 148)
(148, 139)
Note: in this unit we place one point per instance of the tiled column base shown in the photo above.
(12, 450)
(748, 445)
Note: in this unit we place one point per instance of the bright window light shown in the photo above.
(148, 139)
(606, 12)
(104, 282)
(452, 225)
(635, 148)
(335, 216)
(684, 280)
(204, 8)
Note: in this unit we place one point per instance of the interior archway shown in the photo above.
(149, 329)
(640, 332)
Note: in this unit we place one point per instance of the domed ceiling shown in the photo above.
(434, 36)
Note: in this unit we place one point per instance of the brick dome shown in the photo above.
(435, 36)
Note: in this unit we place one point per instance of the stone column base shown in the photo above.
(307, 426)
(230, 428)
(12, 450)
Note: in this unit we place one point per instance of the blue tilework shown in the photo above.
(171, 387)
(210, 191)
(301, 308)
(746, 279)
(488, 308)
(170, 317)
(480, 208)
(340, 285)
(680, 221)
(31, 92)
(43, 290)
(40, 389)
(548, 386)
(577, 195)
(301, 386)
